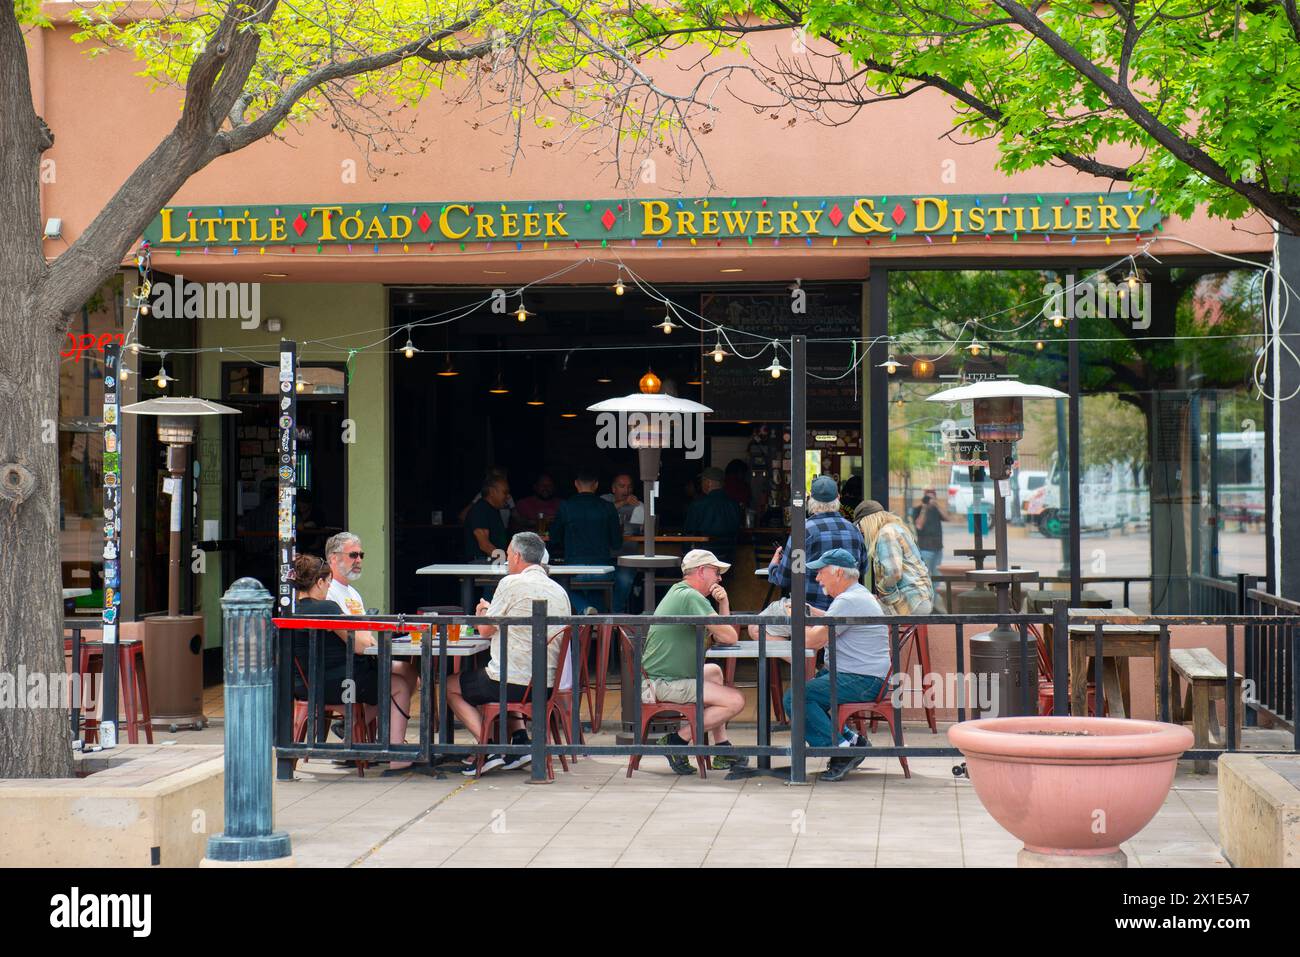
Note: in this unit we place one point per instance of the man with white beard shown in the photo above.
(344, 554)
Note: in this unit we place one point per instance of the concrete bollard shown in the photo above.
(250, 699)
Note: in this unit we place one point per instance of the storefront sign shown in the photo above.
(747, 219)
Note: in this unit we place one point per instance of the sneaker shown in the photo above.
(337, 728)
(518, 760)
(680, 763)
(490, 763)
(725, 762)
(840, 767)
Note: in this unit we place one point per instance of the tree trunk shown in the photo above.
(34, 732)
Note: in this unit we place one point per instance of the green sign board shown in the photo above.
(715, 219)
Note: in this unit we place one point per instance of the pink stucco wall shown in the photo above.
(106, 120)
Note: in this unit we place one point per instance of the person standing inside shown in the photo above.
(586, 531)
(715, 515)
(928, 519)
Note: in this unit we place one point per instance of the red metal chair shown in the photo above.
(1047, 683)
(881, 709)
(363, 732)
(653, 709)
(918, 637)
(134, 683)
(558, 708)
(595, 693)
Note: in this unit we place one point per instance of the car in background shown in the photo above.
(961, 493)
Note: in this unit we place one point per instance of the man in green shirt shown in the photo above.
(671, 651)
(714, 514)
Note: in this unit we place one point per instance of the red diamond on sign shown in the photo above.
(609, 219)
(424, 222)
(898, 215)
(836, 214)
(299, 225)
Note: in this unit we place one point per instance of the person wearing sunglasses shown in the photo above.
(344, 554)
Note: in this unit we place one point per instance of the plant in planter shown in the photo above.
(1073, 789)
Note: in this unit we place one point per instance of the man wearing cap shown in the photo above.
(715, 514)
(826, 529)
(671, 656)
(861, 657)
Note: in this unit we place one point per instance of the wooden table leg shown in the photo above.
(1078, 678)
(1114, 694)
(1125, 689)
(1201, 705)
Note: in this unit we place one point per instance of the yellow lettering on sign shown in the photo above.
(709, 222)
(556, 228)
(445, 227)
(810, 217)
(326, 220)
(509, 224)
(1056, 218)
(957, 214)
(168, 236)
(864, 220)
(532, 224)
(277, 229)
(1132, 212)
(1035, 222)
(1020, 218)
(657, 222)
(737, 220)
(376, 230)
(254, 234)
(685, 221)
(789, 221)
(233, 232)
(998, 212)
(940, 209)
(484, 221)
(1106, 217)
(1083, 217)
(976, 218)
(763, 224)
(399, 227)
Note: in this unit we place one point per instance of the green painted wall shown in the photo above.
(354, 311)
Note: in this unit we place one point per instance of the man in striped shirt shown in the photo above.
(826, 529)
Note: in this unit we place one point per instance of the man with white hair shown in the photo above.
(826, 529)
(861, 657)
(344, 554)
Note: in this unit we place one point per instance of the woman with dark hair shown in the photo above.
(312, 581)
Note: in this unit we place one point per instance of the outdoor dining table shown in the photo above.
(468, 571)
(1118, 644)
(406, 648)
(776, 648)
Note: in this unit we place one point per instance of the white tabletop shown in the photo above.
(455, 649)
(468, 568)
(75, 592)
(746, 648)
(761, 572)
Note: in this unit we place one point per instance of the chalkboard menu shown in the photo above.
(738, 389)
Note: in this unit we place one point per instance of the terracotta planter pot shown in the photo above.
(1073, 798)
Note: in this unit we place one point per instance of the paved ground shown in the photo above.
(596, 816)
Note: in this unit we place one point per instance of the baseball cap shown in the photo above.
(869, 507)
(824, 489)
(839, 557)
(699, 557)
(714, 474)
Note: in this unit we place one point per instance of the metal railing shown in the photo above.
(1271, 651)
(1280, 622)
(1126, 580)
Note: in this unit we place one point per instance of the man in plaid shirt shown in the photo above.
(826, 529)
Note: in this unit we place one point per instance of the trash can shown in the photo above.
(998, 680)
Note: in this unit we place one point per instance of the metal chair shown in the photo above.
(558, 705)
(651, 710)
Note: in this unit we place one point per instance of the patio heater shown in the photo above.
(173, 643)
(646, 419)
(998, 409)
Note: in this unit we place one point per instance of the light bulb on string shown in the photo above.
(975, 347)
(1058, 321)
(522, 314)
(1038, 345)
(299, 384)
(409, 349)
(619, 288)
(891, 364)
(775, 368)
(162, 379)
(667, 325)
(717, 352)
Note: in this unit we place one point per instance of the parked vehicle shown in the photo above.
(1109, 497)
(961, 493)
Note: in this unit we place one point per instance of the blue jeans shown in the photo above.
(931, 559)
(595, 599)
(817, 696)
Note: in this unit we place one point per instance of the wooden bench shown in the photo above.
(1207, 679)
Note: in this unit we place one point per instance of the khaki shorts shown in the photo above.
(671, 690)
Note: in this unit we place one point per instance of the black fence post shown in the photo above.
(541, 698)
(1060, 658)
(798, 558)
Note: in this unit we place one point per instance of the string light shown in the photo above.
(975, 347)
(618, 286)
(775, 368)
(409, 349)
(522, 314)
(717, 351)
(667, 325)
(891, 364)
(162, 378)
